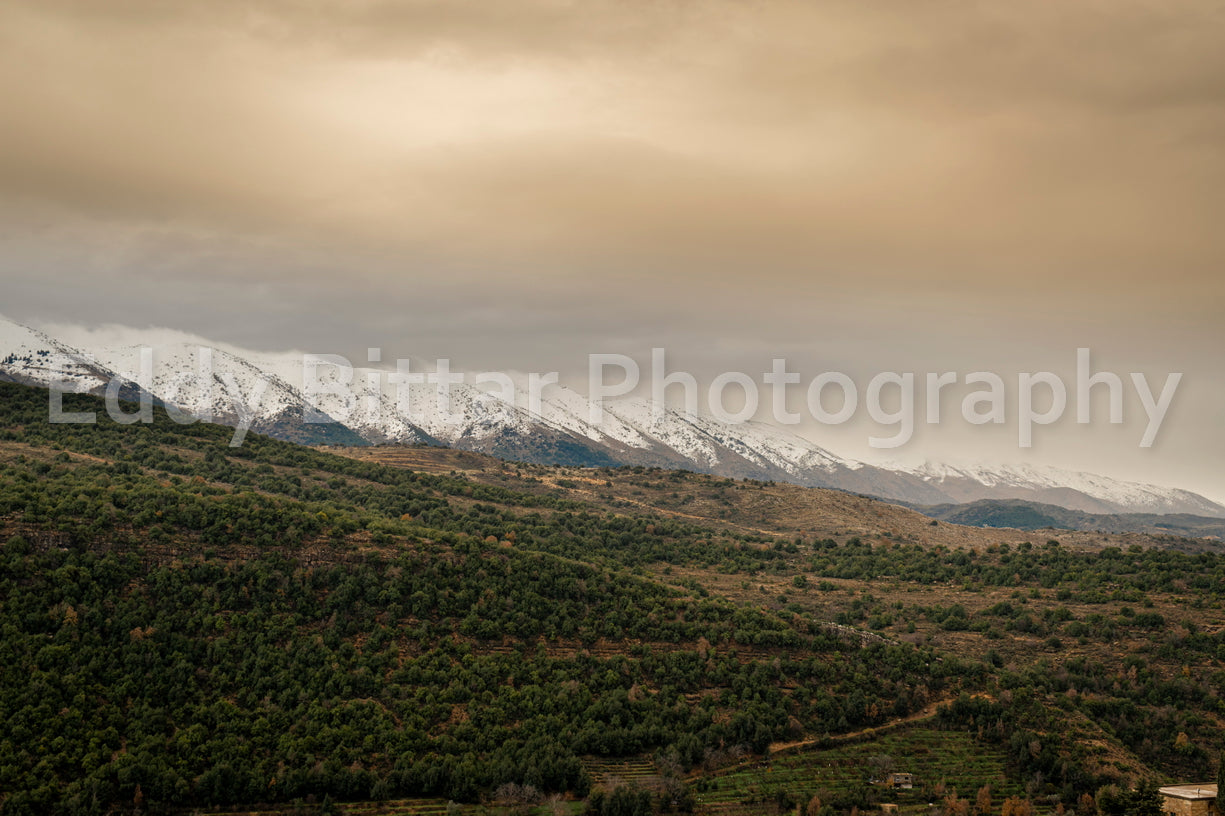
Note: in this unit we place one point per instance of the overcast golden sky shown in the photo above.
(856, 186)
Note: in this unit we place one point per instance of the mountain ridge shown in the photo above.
(365, 408)
(1027, 515)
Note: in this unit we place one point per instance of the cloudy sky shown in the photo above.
(858, 187)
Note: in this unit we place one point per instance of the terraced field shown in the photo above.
(412, 807)
(941, 761)
(402, 807)
(635, 771)
(395, 807)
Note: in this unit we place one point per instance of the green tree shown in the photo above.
(1144, 801)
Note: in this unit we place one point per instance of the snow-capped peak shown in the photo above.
(28, 355)
(1043, 480)
(504, 415)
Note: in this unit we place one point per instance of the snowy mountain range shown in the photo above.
(311, 400)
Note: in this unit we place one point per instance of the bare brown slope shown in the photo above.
(766, 508)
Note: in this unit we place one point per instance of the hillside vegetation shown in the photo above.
(188, 625)
(1028, 515)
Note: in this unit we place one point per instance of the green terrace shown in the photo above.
(943, 762)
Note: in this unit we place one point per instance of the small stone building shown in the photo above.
(1189, 800)
(902, 781)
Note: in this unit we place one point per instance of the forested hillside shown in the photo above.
(211, 625)
(187, 624)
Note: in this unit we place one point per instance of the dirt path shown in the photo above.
(925, 713)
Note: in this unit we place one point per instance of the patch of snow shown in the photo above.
(32, 355)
